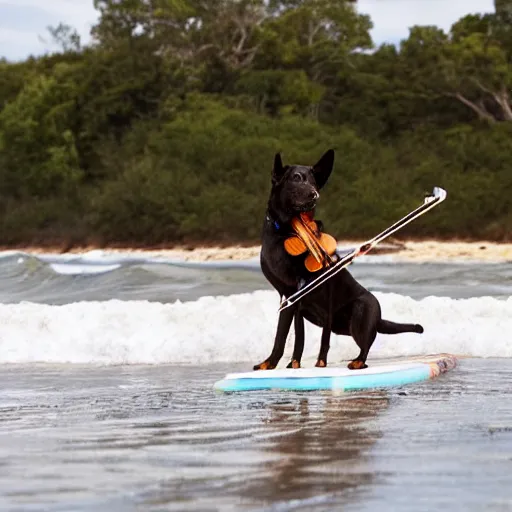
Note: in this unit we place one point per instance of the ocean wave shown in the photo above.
(97, 276)
(235, 328)
(94, 261)
(61, 279)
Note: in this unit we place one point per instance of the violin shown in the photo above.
(308, 237)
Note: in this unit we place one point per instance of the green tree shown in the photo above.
(38, 157)
(163, 130)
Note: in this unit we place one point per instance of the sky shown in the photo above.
(23, 23)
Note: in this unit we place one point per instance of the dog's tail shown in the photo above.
(387, 327)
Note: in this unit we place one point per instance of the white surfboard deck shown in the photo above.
(380, 374)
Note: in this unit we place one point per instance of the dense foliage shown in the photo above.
(164, 129)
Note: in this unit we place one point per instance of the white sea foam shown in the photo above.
(235, 328)
(67, 269)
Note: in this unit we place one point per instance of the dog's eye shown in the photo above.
(298, 177)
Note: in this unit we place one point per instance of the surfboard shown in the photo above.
(381, 374)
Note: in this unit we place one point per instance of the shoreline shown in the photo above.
(399, 251)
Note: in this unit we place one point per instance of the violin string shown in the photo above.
(319, 247)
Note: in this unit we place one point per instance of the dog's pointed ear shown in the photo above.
(278, 170)
(323, 168)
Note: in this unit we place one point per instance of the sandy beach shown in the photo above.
(426, 251)
(410, 251)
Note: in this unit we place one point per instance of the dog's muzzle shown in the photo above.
(310, 205)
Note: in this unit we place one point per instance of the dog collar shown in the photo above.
(274, 223)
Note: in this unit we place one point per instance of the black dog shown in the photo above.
(341, 305)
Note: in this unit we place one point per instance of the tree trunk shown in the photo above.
(503, 99)
(480, 111)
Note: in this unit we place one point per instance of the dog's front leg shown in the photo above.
(298, 348)
(283, 327)
(325, 344)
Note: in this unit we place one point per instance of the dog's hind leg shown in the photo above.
(298, 347)
(325, 342)
(283, 327)
(363, 328)
(387, 327)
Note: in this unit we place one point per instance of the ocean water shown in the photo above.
(106, 403)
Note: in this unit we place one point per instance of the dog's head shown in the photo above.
(295, 188)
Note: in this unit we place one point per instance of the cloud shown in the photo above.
(393, 18)
(24, 22)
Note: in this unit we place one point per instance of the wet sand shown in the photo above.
(123, 438)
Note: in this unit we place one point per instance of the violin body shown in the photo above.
(308, 237)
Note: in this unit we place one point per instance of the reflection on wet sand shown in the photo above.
(298, 453)
(322, 443)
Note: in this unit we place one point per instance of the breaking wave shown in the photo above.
(235, 328)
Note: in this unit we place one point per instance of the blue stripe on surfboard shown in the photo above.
(346, 383)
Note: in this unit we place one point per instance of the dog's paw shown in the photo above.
(321, 363)
(266, 365)
(419, 329)
(357, 365)
(294, 364)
